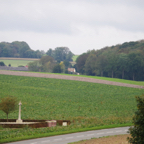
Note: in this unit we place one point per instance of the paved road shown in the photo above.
(67, 138)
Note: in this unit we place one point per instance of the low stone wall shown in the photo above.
(31, 123)
(14, 68)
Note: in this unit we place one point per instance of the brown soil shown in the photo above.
(120, 139)
(67, 78)
(30, 74)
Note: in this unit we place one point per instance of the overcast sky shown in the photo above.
(80, 25)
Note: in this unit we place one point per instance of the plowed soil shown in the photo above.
(76, 78)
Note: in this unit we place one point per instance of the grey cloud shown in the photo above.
(58, 16)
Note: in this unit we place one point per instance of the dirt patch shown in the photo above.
(119, 139)
(76, 78)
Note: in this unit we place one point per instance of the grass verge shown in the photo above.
(98, 77)
(60, 133)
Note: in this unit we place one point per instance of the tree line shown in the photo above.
(22, 50)
(125, 61)
(49, 64)
(60, 54)
(56, 61)
(18, 50)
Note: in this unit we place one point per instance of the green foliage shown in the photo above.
(75, 57)
(67, 64)
(124, 61)
(62, 66)
(2, 63)
(34, 66)
(81, 60)
(46, 59)
(45, 64)
(137, 131)
(8, 104)
(60, 54)
(57, 69)
(18, 49)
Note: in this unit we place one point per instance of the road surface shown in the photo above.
(67, 138)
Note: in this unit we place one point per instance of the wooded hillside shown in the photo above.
(124, 61)
(19, 50)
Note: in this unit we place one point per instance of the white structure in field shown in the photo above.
(19, 117)
(64, 124)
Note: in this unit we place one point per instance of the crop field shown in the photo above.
(15, 62)
(45, 98)
(85, 104)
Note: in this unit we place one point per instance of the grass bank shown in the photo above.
(99, 77)
(86, 105)
(21, 133)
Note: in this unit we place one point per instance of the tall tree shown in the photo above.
(112, 64)
(101, 64)
(50, 52)
(137, 131)
(122, 63)
(134, 63)
(46, 59)
(60, 54)
(80, 62)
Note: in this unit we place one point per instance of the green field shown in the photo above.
(65, 99)
(75, 57)
(99, 77)
(86, 104)
(15, 62)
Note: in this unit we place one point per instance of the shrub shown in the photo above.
(2, 64)
(8, 104)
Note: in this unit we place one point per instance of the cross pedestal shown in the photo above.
(19, 117)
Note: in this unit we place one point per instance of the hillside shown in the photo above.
(124, 61)
(68, 99)
(77, 78)
(85, 104)
(18, 49)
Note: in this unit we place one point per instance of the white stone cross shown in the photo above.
(19, 117)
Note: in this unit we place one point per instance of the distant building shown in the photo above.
(71, 70)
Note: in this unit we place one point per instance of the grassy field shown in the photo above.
(115, 80)
(75, 57)
(87, 105)
(15, 62)
(65, 99)
(101, 78)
